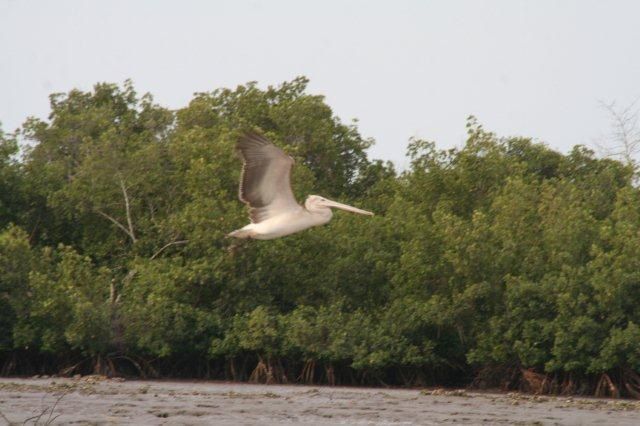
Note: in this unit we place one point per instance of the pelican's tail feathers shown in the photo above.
(241, 233)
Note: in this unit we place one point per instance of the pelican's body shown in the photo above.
(265, 187)
(283, 224)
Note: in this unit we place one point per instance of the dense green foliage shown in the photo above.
(502, 262)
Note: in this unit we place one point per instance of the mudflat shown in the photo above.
(94, 400)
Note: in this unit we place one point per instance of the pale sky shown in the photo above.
(403, 68)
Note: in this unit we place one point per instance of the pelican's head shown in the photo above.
(316, 203)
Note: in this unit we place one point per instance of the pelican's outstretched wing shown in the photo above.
(265, 183)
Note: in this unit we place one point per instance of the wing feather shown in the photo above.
(265, 183)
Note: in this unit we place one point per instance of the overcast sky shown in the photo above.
(403, 68)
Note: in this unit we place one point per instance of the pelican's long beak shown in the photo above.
(341, 206)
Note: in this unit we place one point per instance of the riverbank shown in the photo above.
(97, 400)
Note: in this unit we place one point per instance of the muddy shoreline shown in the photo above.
(96, 400)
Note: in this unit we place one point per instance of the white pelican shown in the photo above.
(265, 187)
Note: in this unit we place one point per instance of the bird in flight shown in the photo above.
(265, 186)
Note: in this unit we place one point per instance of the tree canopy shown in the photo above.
(499, 263)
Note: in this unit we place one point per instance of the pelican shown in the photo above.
(265, 187)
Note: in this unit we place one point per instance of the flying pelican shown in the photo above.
(265, 187)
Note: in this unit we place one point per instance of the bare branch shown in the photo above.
(625, 134)
(125, 281)
(37, 417)
(115, 222)
(53, 419)
(112, 293)
(5, 418)
(127, 209)
(49, 420)
(168, 245)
